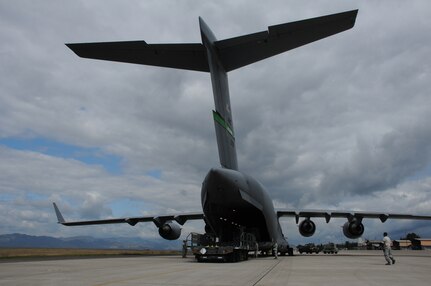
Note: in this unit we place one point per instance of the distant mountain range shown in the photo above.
(18, 240)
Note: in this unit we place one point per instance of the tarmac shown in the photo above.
(346, 268)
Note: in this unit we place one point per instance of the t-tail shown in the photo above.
(220, 57)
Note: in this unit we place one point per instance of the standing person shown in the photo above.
(184, 248)
(387, 244)
(275, 250)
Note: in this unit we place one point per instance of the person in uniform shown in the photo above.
(387, 249)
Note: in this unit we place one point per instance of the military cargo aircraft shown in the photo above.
(232, 201)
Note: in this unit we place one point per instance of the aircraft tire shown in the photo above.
(290, 251)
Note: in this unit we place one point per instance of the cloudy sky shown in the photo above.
(342, 123)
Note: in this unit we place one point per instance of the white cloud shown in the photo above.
(339, 123)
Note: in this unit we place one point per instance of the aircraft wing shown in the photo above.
(180, 56)
(240, 51)
(157, 220)
(328, 214)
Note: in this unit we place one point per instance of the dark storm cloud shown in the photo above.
(344, 116)
(375, 167)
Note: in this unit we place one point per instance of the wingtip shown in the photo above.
(60, 217)
(72, 47)
(355, 15)
(202, 22)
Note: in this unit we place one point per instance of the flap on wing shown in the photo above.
(328, 214)
(241, 51)
(180, 56)
(158, 220)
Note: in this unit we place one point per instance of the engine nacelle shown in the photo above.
(353, 229)
(307, 228)
(170, 230)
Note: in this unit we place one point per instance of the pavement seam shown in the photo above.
(267, 272)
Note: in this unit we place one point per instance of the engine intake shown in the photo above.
(353, 229)
(170, 230)
(307, 228)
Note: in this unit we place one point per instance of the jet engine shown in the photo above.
(353, 229)
(170, 230)
(307, 228)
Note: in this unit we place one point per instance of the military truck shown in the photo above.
(308, 248)
(330, 248)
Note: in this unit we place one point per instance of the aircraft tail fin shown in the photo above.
(222, 115)
(220, 57)
(225, 142)
(227, 55)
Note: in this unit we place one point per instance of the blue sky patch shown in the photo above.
(422, 174)
(156, 173)
(87, 155)
(36, 197)
(6, 197)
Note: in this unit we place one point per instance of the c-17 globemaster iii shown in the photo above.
(232, 202)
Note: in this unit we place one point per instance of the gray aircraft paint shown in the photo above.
(223, 114)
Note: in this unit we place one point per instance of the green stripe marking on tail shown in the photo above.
(220, 120)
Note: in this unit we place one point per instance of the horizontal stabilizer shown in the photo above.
(233, 53)
(180, 56)
(244, 50)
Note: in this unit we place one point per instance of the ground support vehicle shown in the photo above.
(206, 248)
(308, 248)
(330, 248)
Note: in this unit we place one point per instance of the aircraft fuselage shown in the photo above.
(234, 202)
